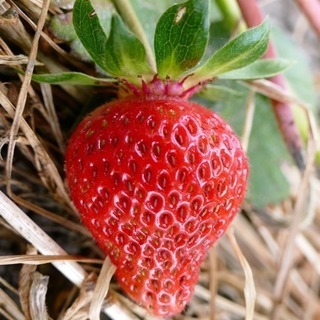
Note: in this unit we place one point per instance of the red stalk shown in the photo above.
(253, 16)
(311, 9)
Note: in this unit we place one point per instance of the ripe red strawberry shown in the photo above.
(157, 180)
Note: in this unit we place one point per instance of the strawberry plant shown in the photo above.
(157, 179)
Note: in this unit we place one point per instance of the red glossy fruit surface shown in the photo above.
(157, 182)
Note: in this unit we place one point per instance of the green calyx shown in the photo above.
(180, 48)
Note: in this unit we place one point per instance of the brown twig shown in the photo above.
(253, 16)
(311, 9)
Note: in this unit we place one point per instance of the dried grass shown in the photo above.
(267, 267)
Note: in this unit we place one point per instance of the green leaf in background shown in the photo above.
(267, 155)
(219, 37)
(71, 78)
(265, 68)
(181, 37)
(149, 14)
(125, 55)
(90, 32)
(218, 92)
(246, 48)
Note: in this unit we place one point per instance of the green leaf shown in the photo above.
(265, 68)
(149, 14)
(120, 55)
(90, 32)
(267, 153)
(219, 36)
(218, 92)
(71, 78)
(246, 48)
(61, 25)
(181, 37)
(125, 55)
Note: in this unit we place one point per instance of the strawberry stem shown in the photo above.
(128, 14)
(253, 16)
(231, 14)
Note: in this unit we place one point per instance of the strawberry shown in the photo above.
(157, 181)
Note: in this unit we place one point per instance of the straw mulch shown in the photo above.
(266, 267)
